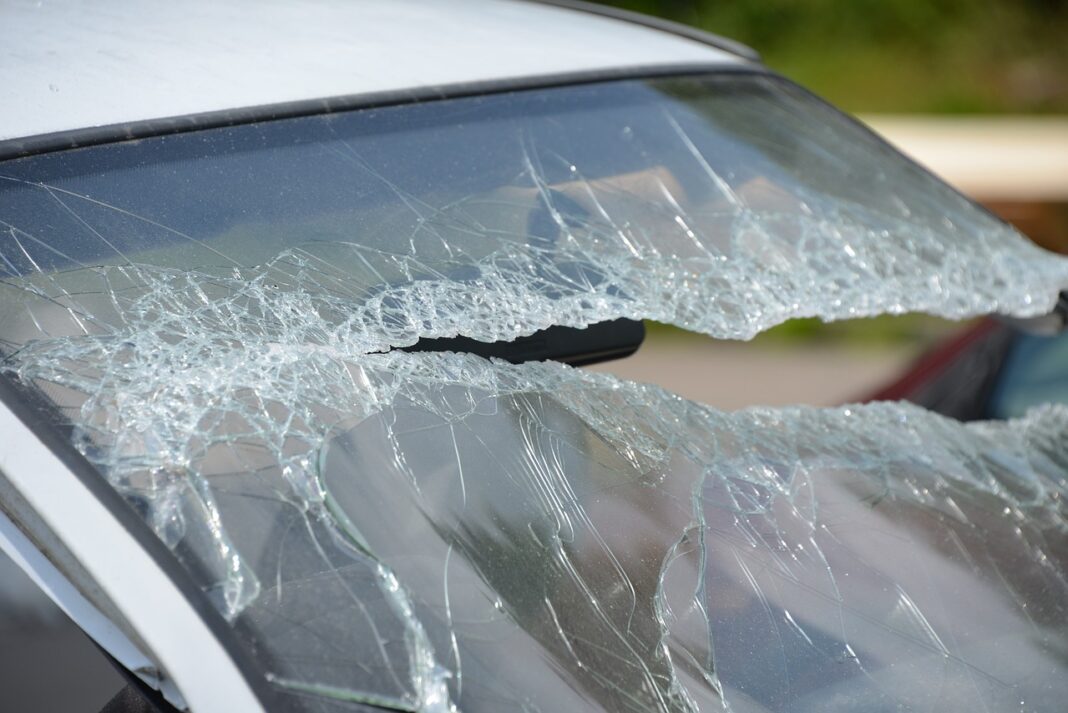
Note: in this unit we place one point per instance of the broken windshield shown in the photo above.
(215, 316)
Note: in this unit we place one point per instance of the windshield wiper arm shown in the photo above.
(603, 341)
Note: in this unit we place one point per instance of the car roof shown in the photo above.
(69, 65)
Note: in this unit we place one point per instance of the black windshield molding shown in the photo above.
(656, 23)
(147, 128)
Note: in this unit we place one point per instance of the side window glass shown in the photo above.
(1035, 372)
(46, 662)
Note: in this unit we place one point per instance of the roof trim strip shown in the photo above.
(95, 135)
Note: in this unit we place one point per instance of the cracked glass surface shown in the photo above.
(216, 317)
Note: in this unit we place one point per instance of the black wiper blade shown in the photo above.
(598, 342)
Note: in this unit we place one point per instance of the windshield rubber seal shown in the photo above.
(147, 128)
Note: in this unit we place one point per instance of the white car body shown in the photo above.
(71, 66)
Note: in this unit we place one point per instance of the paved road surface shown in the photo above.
(732, 375)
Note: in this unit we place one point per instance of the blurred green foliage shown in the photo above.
(936, 56)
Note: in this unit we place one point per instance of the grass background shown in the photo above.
(901, 56)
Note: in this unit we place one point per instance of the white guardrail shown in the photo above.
(989, 158)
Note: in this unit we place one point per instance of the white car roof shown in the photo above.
(70, 65)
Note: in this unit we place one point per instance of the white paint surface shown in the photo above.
(66, 64)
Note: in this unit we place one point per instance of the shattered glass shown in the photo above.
(217, 314)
